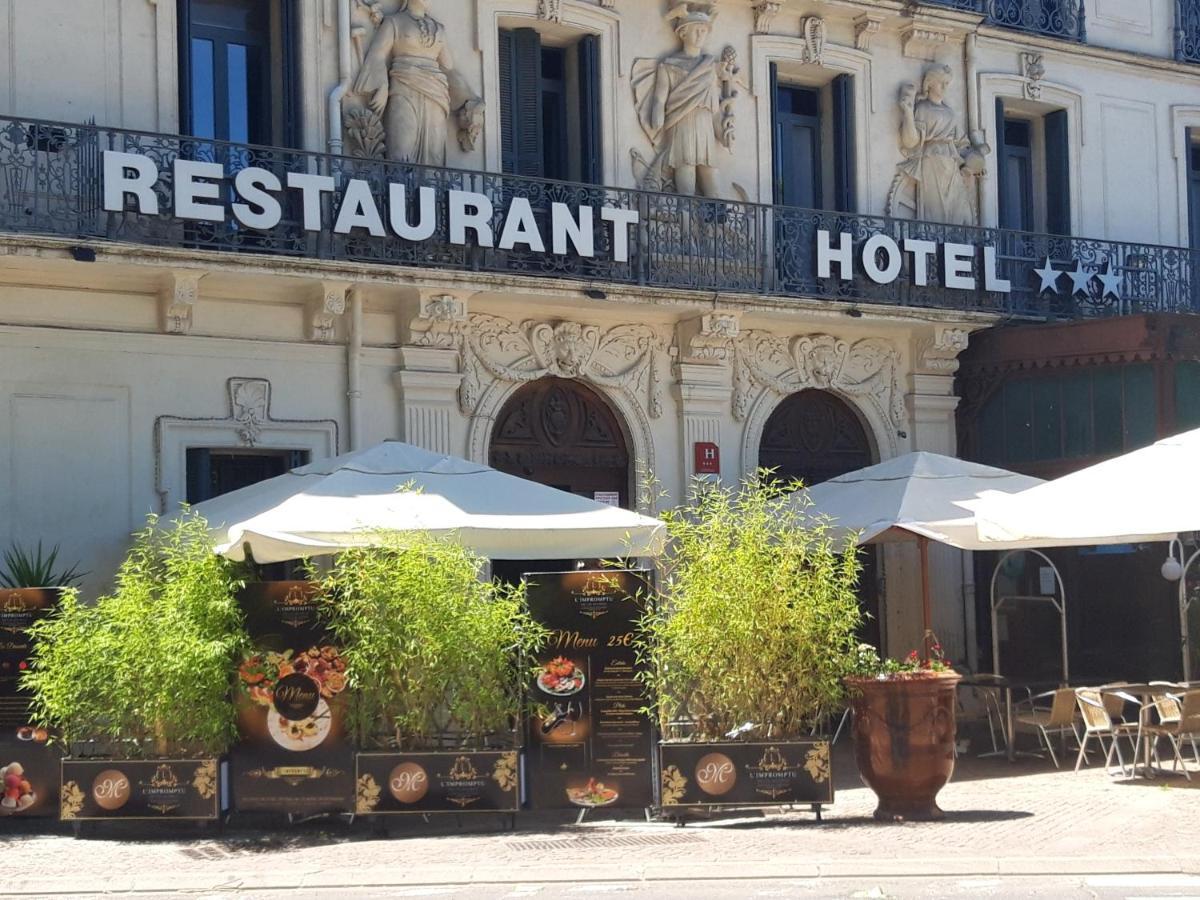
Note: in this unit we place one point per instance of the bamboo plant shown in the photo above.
(755, 618)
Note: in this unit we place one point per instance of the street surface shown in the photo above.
(1022, 830)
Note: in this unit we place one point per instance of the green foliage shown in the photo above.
(146, 668)
(432, 651)
(25, 569)
(756, 618)
(867, 664)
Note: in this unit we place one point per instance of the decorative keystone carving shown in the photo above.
(865, 369)
(177, 297)
(439, 320)
(1033, 70)
(249, 407)
(865, 28)
(550, 10)
(323, 310)
(626, 357)
(812, 29)
(939, 353)
(765, 12)
(923, 41)
(709, 338)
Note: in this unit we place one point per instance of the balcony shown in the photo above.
(1052, 18)
(1187, 30)
(52, 184)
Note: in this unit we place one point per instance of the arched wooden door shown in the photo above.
(814, 436)
(562, 433)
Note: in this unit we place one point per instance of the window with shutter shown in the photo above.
(1193, 157)
(845, 157)
(1058, 173)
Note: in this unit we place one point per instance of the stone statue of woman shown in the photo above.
(936, 179)
(678, 101)
(409, 78)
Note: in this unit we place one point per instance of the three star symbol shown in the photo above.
(1081, 279)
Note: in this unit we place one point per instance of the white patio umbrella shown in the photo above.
(337, 503)
(914, 497)
(1148, 495)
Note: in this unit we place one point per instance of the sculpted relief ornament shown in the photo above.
(685, 105)
(936, 182)
(625, 357)
(865, 370)
(407, 90)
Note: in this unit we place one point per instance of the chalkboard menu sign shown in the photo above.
(294, 755)
(588, 743)
(19, 609)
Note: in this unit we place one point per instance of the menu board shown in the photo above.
(138, 789)
(294, 755)
(29, 764)
(746, 774)
(588, 742)
(484, 781)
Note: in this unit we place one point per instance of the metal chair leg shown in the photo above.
(1083, 750)
(1049, 746)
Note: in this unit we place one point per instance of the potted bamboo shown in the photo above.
(433, 656)
(904, 730)
(746, 646)
(136, 686)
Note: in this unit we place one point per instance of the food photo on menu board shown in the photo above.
(589, 745)
(294, 755)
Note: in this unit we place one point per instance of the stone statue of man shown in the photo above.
(409, 78)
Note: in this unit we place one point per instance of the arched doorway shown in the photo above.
(562, 433)
(814, 436)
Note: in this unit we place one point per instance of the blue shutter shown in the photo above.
(199, 475)
(1001, 157)
(776, 137)
(1058, 173)
(844, 152)
(591, 169)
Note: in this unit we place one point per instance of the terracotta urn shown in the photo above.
(904, 733)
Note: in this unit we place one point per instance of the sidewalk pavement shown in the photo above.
(1002, 820)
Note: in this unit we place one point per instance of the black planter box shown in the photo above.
(734, 773)
(441, 782)
(161, 789)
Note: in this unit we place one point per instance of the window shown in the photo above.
(1193, 157)
(213, 472)
(814, 149)
(1033, 160)
(550, 106)
(236, 60)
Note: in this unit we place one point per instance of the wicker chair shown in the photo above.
(1058, 719)
(1098, 723)
(1178, 721)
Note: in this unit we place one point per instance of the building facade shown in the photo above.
(576, 239)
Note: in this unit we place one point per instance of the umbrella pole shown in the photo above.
(926, 607)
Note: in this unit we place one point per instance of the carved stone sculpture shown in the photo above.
(812, 29)
(408, 80)
(936, 180)
(684, 103)
(1033, 68)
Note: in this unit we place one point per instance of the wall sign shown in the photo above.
(438, 782)
(588, 743)
(138, 789)
(744, 774)
(707, 458)
(294, 755)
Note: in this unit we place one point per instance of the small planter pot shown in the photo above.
(904, 733)
(393, 783)
(745, 774)
(131, 789)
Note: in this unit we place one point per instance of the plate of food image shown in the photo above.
(560, 677)
(299, 735)
(592, 794)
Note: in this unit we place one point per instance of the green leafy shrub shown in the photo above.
(36, 569)
(755, 617)
(432, 651)
(146, 669)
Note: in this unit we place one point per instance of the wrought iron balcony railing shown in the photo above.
(51, 183)
(1053, 18)
(1187, 30)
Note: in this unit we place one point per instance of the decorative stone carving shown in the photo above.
(765, 12)
(324, 308)
(939, 353)
(936, 180)
(1033, 70)
(685, 105)
(249, 407)
(865, 28)
(550, 10)
(407, 85)
(866, 370)
(709, 338)
(922, 41)
(439, 321)
(177, 297)
(628, 357)
(812, 29)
